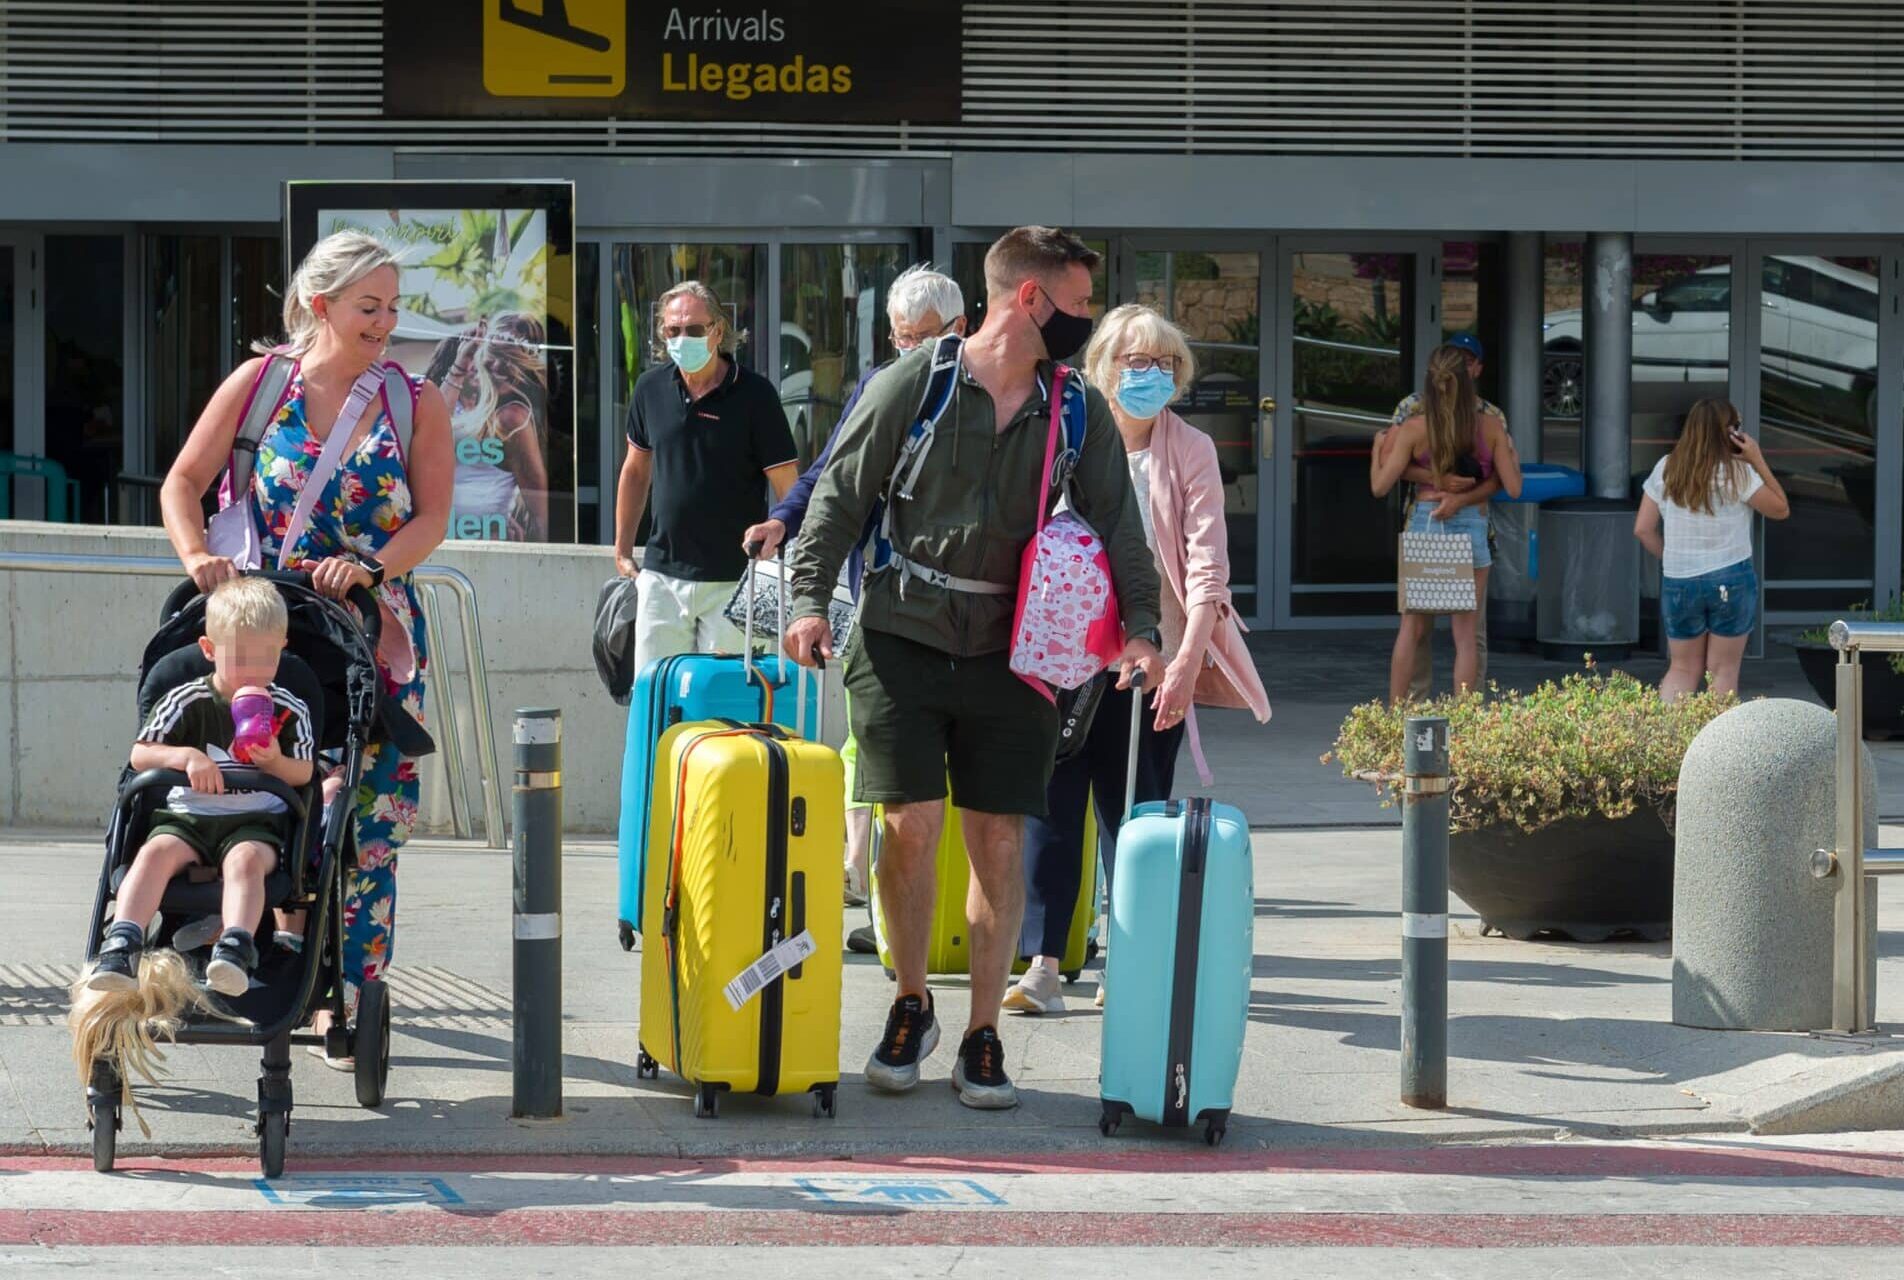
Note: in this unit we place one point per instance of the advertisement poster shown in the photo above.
(485, 296)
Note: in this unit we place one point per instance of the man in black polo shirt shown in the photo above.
(703, 433)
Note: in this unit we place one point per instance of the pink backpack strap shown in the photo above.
(401, 408)
(266, 397)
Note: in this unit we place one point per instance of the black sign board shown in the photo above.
(814, 60)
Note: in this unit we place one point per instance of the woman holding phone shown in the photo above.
(1697, 518)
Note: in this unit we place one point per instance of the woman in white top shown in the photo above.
(1704, 493)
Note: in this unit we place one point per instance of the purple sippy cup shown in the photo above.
(252, 718)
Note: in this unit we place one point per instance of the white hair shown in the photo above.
(920, 291)
(333, 265)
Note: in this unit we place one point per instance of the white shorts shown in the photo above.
(674, 615)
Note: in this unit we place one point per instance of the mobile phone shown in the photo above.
(1736, 438)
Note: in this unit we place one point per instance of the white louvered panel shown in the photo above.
(1766, 79)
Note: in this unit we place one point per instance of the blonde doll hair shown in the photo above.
(124, 1027)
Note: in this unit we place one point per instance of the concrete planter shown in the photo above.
(1583, 878)
(1883, 688)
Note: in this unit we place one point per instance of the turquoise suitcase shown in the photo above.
(1177, 973)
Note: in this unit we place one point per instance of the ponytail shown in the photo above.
(1449, 406)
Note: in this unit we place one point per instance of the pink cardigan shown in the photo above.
(1193, 559)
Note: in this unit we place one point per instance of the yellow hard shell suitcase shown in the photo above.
(743, 855)
(950, 949)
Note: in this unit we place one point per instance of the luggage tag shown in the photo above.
(755, 977)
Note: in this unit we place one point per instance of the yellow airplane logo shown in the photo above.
(555, 48)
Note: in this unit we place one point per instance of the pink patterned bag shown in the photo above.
(1067, 626)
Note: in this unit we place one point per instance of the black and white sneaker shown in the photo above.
(117, 966)
(979, 1074)
(911, 1033)
(233, 959)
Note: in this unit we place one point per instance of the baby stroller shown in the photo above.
(330, 663)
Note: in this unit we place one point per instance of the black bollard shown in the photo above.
(537, 846)
(1425, 785)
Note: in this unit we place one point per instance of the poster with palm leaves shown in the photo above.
(485, 297)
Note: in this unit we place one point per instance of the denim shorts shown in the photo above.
(1724, 602)
(1472, 521)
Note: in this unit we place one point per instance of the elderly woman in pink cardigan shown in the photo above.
(1141, 362)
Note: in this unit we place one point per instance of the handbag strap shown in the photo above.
(362, 392)
(1045, 479)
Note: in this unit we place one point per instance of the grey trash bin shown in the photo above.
(1589, 592)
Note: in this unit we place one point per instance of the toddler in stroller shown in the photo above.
(240, 834)
(329, 705)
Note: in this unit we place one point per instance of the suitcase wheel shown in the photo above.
(891, 976)
(824, 1097)
(1213, 1133)
(626, 932)
(646, 1068)
(1070, 975)
(1108, 1119)
(707, 1102)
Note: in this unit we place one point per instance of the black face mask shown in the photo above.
(1064, 333)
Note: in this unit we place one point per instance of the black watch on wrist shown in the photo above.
(372, 566)
(1152, 634)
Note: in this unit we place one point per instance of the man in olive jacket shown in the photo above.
(931, 689)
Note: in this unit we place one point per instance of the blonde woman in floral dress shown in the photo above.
(382, 513)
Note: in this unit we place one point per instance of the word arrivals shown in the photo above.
(742, 80)
(761, 28)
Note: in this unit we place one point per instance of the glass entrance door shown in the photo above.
(1351, 317)
(1215, 291)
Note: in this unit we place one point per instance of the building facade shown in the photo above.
(1317, 192)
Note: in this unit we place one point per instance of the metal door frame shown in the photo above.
(29, 362)
(1888, 525)
(1426, 248)
(1121, 280)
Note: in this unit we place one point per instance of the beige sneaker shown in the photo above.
(1099, 1000)
(1041, 990)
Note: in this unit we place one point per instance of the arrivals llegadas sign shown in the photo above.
(817, 60)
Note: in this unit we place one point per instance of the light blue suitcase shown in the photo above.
(1182, 920)
(694, 686)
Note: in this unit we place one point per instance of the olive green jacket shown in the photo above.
(972, 510)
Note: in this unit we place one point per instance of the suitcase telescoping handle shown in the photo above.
(1130, 765)
(753, 550)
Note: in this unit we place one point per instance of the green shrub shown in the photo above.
(1595, 743)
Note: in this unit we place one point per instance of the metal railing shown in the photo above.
(1850, 860)
(428, 577)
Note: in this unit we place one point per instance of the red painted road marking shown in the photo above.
(1563, 1160)
(838, 1228)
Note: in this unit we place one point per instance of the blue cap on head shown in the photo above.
(1468, 343)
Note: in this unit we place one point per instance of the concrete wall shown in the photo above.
(69, 654)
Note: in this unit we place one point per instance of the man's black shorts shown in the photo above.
(920, 714)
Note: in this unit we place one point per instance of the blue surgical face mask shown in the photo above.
(1144, 395)
(690, 355)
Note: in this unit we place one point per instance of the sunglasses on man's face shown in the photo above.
(685, 330)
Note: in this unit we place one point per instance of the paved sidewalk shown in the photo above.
(1545, 1037)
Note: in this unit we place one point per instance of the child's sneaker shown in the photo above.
(233, 959)
(286, 940)
(117, 966)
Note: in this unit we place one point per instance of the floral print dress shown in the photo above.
(367, 500)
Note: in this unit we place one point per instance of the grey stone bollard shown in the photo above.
(1752, 929)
